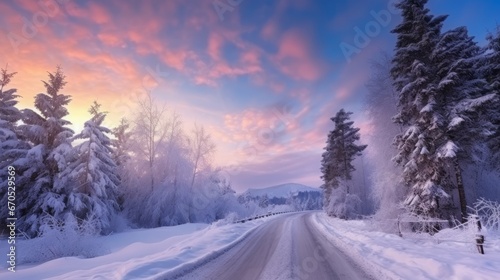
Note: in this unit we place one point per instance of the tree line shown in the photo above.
(147, 171)
(437, 101)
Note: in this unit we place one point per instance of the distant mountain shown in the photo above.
(282, 190)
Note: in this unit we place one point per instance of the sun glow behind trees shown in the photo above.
(152, 170)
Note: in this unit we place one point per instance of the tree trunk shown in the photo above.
(461, 190)
(152, 176)
(195, 168)
(345, 160)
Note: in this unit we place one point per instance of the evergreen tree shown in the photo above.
(13, 149)
(93, 174)
(492, 60)
(491, 71)
(414, 77)
(121, 142)
(48, 158)
(10, 144)
(340, 151)
(441, 105)
(121, 156)
(462, 98)
(417, 36)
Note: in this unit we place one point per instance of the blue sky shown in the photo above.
(264, 77)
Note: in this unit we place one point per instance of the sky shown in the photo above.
(263, 77)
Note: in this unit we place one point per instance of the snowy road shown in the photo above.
(288, 247)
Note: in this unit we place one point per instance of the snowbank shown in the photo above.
(141, 254)
(391, 257)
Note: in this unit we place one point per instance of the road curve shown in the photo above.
(284, 248)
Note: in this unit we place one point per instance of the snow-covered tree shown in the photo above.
(174, 142)
(491, 70)
(264, 201)
(121, 156)
(414, 77)
(13, 149)
(441, 103)
(340, 151)
(417, 36)
(381, 106)
(202, 147)
(93, 174)
(50, 137)
(462, 99)
(149, 134)
(121, 142)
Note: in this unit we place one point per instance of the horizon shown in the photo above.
(278, 185)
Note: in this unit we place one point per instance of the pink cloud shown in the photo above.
(98, 13)
(270, 30)
(110, 39)
(248, 63)
(215, 43)
(295, 57)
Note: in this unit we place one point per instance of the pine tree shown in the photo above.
(13, 149)
(492, 60)
(48, 158)
(93, 174)
(121, 142)
(417, 36)
(340, 151)
(121, 156)
(414, 77)
(462, 98)
(491, 71)
(9, 116)
(441, 105)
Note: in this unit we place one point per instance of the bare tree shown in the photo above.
(150, 131)
(174, 137)
(202, 147)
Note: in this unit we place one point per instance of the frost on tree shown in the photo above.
(336, 164)
(440, 103)
(93, 174)
(463, 96)
(490, 67)
(121, 155)
(13, 149)
(121, 143)
(381, 107)
(413, 75)
(50, 137)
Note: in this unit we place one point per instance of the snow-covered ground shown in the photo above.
(424, 257)
(140, 254)
(156, 253)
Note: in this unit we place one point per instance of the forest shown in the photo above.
(434, 110)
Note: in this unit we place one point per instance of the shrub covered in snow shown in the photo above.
(61, 239)
(342, 204)
(229, 219)
(489, 213)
